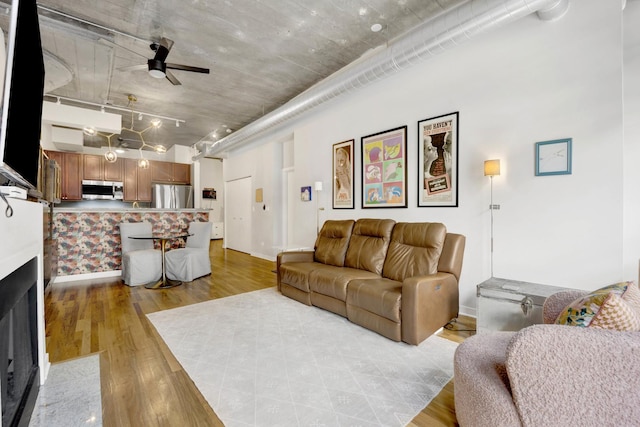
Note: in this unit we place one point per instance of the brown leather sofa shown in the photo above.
(397, 279)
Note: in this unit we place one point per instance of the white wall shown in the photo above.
(530, 81)
(631, 148)
(211, 177)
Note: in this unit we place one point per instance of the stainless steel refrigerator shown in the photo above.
(170, 196)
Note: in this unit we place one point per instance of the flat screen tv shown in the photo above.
(22, 97)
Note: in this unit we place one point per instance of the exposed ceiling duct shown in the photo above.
(425, 41)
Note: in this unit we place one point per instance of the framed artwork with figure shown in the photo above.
(438, 161)
(343, 175)
(384, 169)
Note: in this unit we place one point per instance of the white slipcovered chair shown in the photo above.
(192, 261)
(141, 263)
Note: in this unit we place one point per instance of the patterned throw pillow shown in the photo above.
(614, 307)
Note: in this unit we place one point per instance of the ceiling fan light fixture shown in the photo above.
(157, 68)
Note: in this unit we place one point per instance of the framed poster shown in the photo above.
(384, 169)
(305, 193)
(343, 175)
(553, 157)
(438, 161)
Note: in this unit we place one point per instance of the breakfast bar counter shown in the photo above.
(88, 239)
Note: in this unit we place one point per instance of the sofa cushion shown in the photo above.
(414, 250)
(333, 241)
(296, 274)
(368, 245)
(333, 281)
(378, 296)
(614, 307)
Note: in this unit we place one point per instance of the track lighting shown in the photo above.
(140, 116)
(177, 124)
(156, 123)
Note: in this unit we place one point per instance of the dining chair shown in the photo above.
(141, 263)
(192, 261)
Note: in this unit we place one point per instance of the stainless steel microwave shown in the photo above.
(102, 190)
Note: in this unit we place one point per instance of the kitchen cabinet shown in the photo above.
(217, 230)
(137, 182)
(175, 173)
(50, 246)
(71, 171)
(97, 168)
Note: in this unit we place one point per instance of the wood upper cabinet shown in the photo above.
(96, 167)
(178, 173)
(71, 170)
(182, 173)
(161, 171)
(137, 182)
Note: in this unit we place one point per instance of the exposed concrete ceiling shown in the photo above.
(260, 54)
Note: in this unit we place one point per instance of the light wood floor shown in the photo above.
(142, 383)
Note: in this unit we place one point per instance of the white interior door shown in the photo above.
(238, 215)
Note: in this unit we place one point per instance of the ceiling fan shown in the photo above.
(157, 66)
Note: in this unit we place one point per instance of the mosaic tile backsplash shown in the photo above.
(89, 242)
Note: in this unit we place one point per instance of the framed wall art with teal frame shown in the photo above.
(553, 157)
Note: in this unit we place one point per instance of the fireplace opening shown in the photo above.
(19, 344)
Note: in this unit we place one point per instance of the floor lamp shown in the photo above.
(491, 169)
(318, 188)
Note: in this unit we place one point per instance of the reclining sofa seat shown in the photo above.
(364, 259)
(400, 280)
(330, 250)
(412, 299)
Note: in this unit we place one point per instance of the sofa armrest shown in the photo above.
(428, 303)
(556, 302)
(566, 375)
(293, 256)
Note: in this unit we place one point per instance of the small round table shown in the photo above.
(163, 283)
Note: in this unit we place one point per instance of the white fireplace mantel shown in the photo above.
(21, 237)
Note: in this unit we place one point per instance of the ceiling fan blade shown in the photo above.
(167, 43)
(110, 43)
(187, 68)
(162, 49)
(172, 78)
(134, 67)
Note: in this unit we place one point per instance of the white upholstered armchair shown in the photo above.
(192, 261)
(141, 263)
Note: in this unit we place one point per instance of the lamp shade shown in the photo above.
(492, 167)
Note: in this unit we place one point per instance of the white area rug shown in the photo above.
(262, 359)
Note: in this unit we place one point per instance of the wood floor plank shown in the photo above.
(142, 382)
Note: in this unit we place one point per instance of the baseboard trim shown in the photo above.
(87, 276)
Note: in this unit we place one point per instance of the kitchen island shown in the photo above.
(88, 240)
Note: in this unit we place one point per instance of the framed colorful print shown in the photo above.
(438, 161)
(553, 157)
(343, 175)
(384, 169)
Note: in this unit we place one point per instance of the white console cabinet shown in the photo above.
(217, 230)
